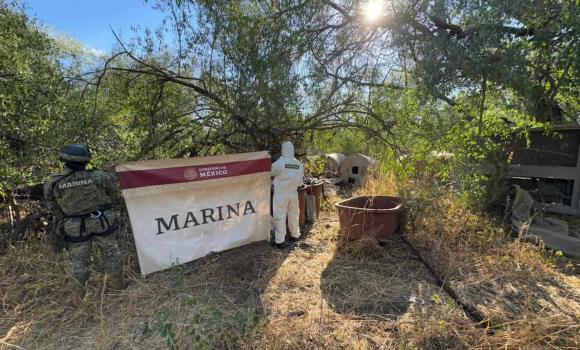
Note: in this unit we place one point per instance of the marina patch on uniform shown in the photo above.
(75, 184)
(292, 166)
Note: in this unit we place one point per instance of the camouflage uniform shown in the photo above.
(81, 201)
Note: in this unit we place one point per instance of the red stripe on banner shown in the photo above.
(167, 176)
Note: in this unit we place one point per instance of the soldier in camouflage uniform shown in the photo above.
(81, 201)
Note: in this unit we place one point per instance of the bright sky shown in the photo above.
(89, 21)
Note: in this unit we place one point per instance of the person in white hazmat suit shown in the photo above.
(288, 174)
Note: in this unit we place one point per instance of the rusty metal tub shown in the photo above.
(375, 216)
(316, 190)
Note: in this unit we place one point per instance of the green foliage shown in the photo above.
(205, 327)
(481, 151)
(524, 47)
(47, 100)
(442, 94)
(341, 141)
(31, 98)
(448, 146)
(164, 327)
(314, 166)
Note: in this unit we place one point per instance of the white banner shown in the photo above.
(184, 209)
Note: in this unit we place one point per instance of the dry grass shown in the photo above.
(530, 297)
(325, 293)
(322, 294)
(380, 184)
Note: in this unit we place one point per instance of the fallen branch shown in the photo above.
(477, 316)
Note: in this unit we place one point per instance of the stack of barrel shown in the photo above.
(310, 193)
(309, 199)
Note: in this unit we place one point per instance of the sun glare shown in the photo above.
(373, 10)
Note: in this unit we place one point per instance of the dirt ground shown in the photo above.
(315, 295)
(322, 293)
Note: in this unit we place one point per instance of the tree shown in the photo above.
(47, 100)
(31, 91)
(528, 47)
(250, 71)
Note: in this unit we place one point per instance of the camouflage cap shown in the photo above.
(75, 153)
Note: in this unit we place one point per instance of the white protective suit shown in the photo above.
(288, 173)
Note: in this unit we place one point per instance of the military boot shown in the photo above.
(117, 282)
(79, 291)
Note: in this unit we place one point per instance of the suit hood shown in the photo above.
(287, 150)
